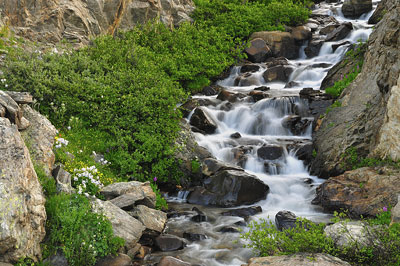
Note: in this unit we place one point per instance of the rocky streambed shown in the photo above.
(256, 125)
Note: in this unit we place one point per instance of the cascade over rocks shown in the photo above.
(77, 21)
(355, 8)
(367, 114)
(363, 192)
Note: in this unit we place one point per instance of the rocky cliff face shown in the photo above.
(78, 20)
(369, 116)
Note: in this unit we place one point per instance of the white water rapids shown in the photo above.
(258, 124)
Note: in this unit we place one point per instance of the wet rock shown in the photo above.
(347, 233)
(363, 192)
(198, 218)
(301, 34)
(278, 73)
(304, 153)
(169, 243)
(171, 261)
(304, 259)
(308, 181)
(22, 210)
(193, 103)
(229, 229)
(202, 121)
(119, 260)
(280, 43)
(328, 29)
(229, 188)
(296, 124)
(246, 80)
(225, 95)
(150, 218)
(193, 236)
(270, 152)
(340, 32)
(40, 134)
(124, 225)
(262, 88)
(236, 135)
(249, 68)
(291, 84)
(209, 91)
(211, 166)
(313, 48)
(258, 95)
(355, 8)
(143, 251)
(258, 50)
(277, 61)
(335, 46)
(63, 180)
(321, 65)
(243, 212)
(285, 220)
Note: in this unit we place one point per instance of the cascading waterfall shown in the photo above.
(262, 124)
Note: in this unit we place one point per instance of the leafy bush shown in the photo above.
(82, 236)
(241, 18)
(382, 248)
(307, 236)
(351, 160)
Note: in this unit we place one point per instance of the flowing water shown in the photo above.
(260, 123)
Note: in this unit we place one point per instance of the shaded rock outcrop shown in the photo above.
(363, 192)
(355, 8)
(22, 211)
(78, 20)
(367, 114)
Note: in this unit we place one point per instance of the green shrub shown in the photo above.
(241, 18)
(307, 236)
(351, 160)
(83, 236)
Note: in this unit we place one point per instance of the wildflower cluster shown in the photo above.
(61, 142)
(87, 180)
(4, 82)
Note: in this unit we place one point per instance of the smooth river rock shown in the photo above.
(304, 259)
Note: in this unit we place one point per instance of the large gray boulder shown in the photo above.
(79, 20)
(355, 8)
(22, 211)
(40, 136)
(124, 225)
(304, 259)
(229, 188)
(345, 234)
(369, 110)
(362, 192)
(280, 43)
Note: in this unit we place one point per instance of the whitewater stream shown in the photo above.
(292, 188)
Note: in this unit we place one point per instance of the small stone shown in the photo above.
(169, 243)
(236, 135)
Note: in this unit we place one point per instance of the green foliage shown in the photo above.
(307, 236)
(240, 18)
(382, 248)
(333, 106)
(355, 55)
(82, 235)
(48, 183)
(352, 160)
(195, 165)
(161, 203)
